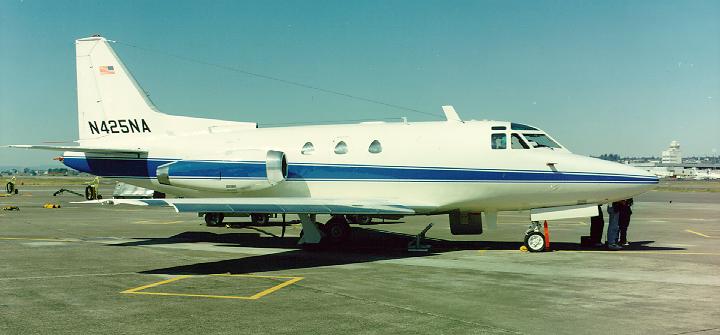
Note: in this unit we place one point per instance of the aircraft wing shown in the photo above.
(79, 149)
(271, 205)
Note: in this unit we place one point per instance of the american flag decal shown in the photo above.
(107, 69)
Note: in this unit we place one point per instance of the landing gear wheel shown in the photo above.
(214, 219)
(535, 242)
(359, 219)
(10, 187)
(260, 219)
(90, 193)
(337, 230)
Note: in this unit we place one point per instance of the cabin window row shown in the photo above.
(341, 148)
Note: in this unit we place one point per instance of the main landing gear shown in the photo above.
(359, 219)
(260, 219)
(335, 231)
(214, 219)
(535, 240)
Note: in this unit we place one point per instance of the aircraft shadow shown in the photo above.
(367, 245)
(245, 224)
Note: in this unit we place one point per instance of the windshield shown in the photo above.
(520, 126)
(541, 140)
(517, 142)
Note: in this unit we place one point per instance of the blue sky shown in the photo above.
(600, 76)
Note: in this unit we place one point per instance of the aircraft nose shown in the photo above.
(631, 180)
(650, 179)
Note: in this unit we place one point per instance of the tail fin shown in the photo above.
(112, 105)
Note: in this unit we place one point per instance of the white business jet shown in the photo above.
(353, 172)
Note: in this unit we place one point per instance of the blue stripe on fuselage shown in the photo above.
(146, 168)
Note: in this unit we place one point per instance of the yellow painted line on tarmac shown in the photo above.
(696, 233)
(36, 239)
(140, 288)
(194, 295)
(290, 281)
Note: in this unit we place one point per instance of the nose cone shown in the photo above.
(603, 181)
(629, 180)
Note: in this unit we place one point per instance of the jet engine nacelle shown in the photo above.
(250, 170)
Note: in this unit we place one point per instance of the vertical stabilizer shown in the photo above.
(113, 107)
(109, 99)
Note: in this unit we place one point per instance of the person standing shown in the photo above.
(624, 221)
(613, 226)
(597, 224)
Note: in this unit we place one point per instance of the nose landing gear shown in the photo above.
(535, 240)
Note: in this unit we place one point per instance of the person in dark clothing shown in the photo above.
(624, 220)
(596, 228)
(613, 226)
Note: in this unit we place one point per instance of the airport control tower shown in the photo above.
(672, 155)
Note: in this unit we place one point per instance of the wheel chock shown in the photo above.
(49, 205)
(11, 208)
(523, 248)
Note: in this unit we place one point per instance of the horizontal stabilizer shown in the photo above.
(79, 149)
(270, 205)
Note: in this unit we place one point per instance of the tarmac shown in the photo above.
(113, 269)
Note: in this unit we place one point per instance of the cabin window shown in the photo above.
(308, 148)
(499, 128)
(498, 141)
(341, 148)
(375, 147)
(517, 143)
(540, 141)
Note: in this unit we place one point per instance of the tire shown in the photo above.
(10, 187)
(89, 193)
(361, 219)
(535, 242)
(214, 219)
(260, 219)
(337, 230)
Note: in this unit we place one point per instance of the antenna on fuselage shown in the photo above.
(450, 114)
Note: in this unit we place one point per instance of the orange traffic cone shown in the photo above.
(547, 236)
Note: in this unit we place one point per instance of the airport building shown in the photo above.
(672, 155)
(671, 165)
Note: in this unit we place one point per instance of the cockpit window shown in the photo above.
(498, 141)
(520, 126)
(517, 143)
(541, 140)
